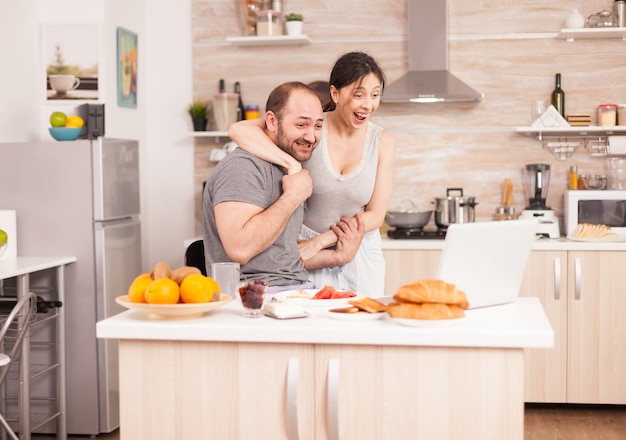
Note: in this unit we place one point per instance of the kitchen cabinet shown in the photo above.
(403, 267)
(582, 294)
(318, 391)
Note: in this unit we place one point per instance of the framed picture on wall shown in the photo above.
(71, 57)
(126, 68)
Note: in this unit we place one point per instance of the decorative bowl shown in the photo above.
(65, 133)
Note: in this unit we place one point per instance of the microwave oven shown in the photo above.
(597, 207)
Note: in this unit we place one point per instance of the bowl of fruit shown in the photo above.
(65, 128)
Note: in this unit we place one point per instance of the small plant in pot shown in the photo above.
(293, 23)
(198, 112)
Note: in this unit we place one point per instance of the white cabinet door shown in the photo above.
(367, 392)
(220, 390)
(597, 327)
(546, 369)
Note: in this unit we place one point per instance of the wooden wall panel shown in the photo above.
(505, 49)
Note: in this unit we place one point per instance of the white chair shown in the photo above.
(15, 326)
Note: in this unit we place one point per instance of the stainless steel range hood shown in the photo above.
(428, 79)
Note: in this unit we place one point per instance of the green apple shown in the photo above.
(58, 119)
(3, 237)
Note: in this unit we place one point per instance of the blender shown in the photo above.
(537, 179)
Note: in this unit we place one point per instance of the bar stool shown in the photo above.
(15, 326)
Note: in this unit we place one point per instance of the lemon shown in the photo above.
(3, 237)
(74, 121)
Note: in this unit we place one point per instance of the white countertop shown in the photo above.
(541, 244)
(519, 324)
(12, 267)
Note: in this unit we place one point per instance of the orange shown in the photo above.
(74, 121)
(196, 288)
(137, 289)
(162, 291)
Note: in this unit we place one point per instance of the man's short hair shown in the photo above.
(277, 101)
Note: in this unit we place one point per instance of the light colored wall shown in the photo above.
(507, 50)
(159, 121)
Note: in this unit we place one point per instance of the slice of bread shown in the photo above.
(368, 304)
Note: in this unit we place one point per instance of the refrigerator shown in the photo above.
(81, 198)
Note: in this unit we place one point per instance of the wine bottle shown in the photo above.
(558, 96)
(222, 86)
(241, 111)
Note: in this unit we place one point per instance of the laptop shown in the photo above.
(487, 260)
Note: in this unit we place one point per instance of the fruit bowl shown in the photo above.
(173, 311)
(65, 133)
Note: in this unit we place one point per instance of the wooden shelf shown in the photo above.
(277, 40)
(590, 131)
(209, 134)
(592, 33)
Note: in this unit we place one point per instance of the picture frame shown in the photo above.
(127, 53)
(71, 60)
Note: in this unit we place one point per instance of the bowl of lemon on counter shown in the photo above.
(65, 128)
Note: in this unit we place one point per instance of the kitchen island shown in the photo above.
(228, 377)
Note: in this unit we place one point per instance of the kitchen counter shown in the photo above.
(520, 324)
(320, 378)
(541, 244)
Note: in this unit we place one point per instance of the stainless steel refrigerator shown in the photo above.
(81, 198)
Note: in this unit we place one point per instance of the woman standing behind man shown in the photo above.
(351, 169)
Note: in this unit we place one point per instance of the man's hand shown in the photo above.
(297, 187)
(349, 232)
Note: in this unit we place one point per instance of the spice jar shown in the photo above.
(269, 23)
(607, 114)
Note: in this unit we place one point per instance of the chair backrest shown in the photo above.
(14, 328)
(194, 256)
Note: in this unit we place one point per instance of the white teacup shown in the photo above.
(63, 83)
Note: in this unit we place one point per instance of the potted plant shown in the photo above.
(198, 112)
(293, 23)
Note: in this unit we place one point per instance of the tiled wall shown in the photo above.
(507, 50)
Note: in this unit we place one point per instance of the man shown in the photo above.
(253, 211)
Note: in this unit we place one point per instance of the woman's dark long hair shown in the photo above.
(352, 67)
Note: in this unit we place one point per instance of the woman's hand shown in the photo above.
(309, 248)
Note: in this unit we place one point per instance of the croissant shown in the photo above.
(424, 311)
(432, 291)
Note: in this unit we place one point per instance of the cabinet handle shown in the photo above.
(293, 374)
(557, 278)
(577, 273)
(332, 404)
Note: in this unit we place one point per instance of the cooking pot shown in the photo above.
(408, 217)
(454, 209)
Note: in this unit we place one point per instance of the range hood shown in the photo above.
(428, 79)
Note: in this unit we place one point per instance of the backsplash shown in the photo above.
(508, 51)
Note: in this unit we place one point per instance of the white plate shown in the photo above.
(429, 323)
(598, 240)
(172, 311)
(359, 316)
(304, 297)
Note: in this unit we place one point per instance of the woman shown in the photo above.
(351, 168)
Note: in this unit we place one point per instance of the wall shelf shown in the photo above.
(570, 132)
(592, 33)
(277, 40)
(216, 134)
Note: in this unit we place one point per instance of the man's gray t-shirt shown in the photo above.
(243, 177)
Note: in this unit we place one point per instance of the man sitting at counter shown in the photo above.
(253, 211)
